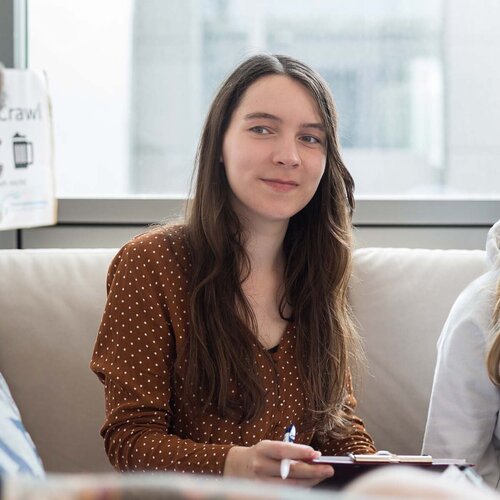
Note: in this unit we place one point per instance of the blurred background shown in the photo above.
(415, 84)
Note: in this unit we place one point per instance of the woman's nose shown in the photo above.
(286, 153)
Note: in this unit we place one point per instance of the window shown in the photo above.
(131, 82)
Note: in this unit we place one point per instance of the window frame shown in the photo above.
(371, 211)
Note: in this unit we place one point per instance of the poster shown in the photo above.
(27, 191)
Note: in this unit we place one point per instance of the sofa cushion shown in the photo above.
(401, 298)
(51, 302)
(18, 454)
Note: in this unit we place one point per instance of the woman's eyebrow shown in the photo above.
(319, 126)
(269, 116)
(260, 114)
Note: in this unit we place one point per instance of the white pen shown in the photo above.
(285, 463)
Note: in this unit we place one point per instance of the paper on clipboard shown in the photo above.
(388, 458)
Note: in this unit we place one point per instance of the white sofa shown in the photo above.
(50, 307)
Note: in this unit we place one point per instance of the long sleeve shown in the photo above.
(140, 356)
(135, 356)
(463, 412)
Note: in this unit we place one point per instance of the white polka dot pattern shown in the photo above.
(138, 357)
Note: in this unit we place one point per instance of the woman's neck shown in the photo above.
(263, 287)
(264, 246)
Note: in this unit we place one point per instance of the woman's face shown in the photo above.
(274, 150)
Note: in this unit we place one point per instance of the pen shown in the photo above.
(285, 463)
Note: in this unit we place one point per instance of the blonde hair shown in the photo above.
(493, 358)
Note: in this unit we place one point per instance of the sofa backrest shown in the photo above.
(51, 303)
(401, 299)
(50, 307)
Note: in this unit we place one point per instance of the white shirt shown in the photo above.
(464, 406)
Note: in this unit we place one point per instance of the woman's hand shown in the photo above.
(263, 460)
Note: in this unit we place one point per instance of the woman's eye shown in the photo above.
(260, 130)
(311, 139)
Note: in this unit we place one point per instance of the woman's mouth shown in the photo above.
(281, 185)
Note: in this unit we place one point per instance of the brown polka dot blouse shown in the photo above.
(145, 323)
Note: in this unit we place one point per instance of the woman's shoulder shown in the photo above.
(158, 237)
(157, 245)
(471, 314)
(477, 299)
(171, 236)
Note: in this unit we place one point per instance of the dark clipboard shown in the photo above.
(349, 467)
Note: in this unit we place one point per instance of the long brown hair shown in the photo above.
(493, 358)
(317, 249)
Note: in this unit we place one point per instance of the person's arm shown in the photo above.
(464, 403)
(134, 357)
(356, 439)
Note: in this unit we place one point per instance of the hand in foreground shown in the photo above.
(263, 460)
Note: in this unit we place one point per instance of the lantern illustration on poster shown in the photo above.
(23, 151)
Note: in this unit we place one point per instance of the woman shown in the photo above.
(219, 334)
(463, 413)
